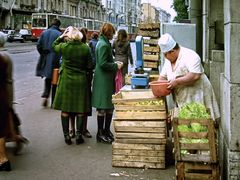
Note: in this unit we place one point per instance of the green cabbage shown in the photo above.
(193, 111)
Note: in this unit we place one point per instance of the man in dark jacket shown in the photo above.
(48, 58)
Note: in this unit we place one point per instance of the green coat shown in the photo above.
(104, 76)
(72, 88)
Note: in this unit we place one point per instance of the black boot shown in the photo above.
(108, 120)
(79, 138)
(65, 127)
(100, 134)
(6, 166)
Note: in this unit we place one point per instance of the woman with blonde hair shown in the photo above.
(104, 83)
(72, 84)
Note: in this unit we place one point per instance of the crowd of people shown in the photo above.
(87, 72)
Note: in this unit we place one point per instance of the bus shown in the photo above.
(42, 21)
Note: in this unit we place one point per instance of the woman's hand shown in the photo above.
(172, 84)
(119, 64)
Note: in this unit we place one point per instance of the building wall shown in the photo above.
(221, 29)
(15, 14)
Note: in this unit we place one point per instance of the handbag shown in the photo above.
(55, 76)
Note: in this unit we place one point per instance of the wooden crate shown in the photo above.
(151, 64)
(151, 57)
(152, 49)
(138, 155)
(149, 33)
(143, 132)
(197, 171)
(138, 104)
(151, 42)
(197, 152)
(149, 26)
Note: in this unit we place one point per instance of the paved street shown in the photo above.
(47, 157)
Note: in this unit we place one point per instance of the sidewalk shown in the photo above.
(48, 157)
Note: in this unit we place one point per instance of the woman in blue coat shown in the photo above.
(104, 83)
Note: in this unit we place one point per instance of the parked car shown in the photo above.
(15, 36)
(26, 34)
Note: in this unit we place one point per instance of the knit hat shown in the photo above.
(166, 43)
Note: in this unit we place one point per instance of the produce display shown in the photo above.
(193, 111)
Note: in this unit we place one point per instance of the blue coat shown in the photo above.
(48, 59)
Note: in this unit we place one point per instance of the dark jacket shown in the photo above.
(48, 59)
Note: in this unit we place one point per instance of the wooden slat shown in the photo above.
(156, 124)
(141, 141)
(150, 41)
(140, 135)
(141, 115)
(194, 146)
(131, 152)
(129, 158)
(154, 49)
(193, 135)
(195, 158)
(151, 64)
(138, 164)
(149, 26)
(138, 146)
(139, 129)
(148, 33)
(151, 57)
(133, 106)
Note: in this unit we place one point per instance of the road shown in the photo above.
(47, 157)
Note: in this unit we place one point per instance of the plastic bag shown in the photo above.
(118, 81)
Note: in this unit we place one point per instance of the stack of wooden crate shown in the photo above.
(196, 159)
(140, 129)
(151, 34)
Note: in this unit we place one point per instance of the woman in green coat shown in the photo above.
(72, 84)
(104, 83)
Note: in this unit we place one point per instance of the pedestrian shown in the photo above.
(92, 44)
(9, 121)
(122, 51)
(48, 59)
(85, 131)
(5, 164)
(71, 94)
(104, 83)
(185, 73)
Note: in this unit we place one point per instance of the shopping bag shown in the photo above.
(55, 76)
(118, 81)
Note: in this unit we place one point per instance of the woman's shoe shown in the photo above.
(68, 140)
(87, 134)
(19, 144)
(72, 133)
(6, 166)
(79, 139)
(110, 135)
(102, 138)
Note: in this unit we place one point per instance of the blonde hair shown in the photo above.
(73, 34)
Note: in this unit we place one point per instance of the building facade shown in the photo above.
(16, 14)
(153, 14)
(123, 13)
